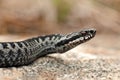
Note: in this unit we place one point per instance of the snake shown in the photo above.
(25, 52)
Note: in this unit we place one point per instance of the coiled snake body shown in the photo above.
(25, 52)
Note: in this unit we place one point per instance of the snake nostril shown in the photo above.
(92, 31)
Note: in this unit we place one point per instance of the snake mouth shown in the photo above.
(77, 38)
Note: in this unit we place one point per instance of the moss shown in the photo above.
(63, 9)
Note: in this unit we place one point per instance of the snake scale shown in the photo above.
(14, 54)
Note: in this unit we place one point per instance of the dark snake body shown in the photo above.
(25, 52)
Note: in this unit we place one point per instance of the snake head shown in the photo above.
(72, 40)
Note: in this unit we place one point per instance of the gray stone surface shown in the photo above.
(51, 68)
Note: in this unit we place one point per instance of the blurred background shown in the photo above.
(20, 19)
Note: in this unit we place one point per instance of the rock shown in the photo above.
(51, 68)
